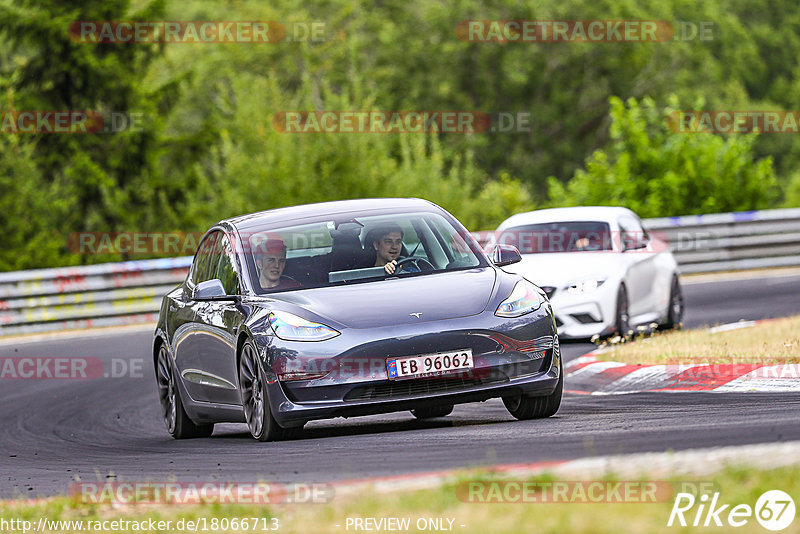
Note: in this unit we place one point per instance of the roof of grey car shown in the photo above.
(293, 213)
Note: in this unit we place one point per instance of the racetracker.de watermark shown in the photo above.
(205, 31)
(201, 492)
(402, 121)
(69, 368)
(576, 491)
(735, 122)
(135, 243)
(565, 240)
(70, 122)
(583, 31)
(182, 243)
(189, 243)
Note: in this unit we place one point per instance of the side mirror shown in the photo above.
(505, 255)
(635, 243)
(211, 290)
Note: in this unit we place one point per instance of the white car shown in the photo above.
(600, 268)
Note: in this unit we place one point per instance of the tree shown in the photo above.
(112, 179)
(656, 172)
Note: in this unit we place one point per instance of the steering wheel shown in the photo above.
(420, 263)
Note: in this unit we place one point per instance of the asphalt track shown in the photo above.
(53, 431)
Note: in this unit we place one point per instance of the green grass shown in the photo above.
(737, 485)
(770, 342)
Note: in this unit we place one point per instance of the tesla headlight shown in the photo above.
(524, 299)
(290, 327)
(585, 286)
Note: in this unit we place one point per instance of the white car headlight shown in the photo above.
(290, 327)
(585, 286)
(523, 299)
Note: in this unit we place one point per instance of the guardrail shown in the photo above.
(130, 292)
(732, 241)
(83, 297)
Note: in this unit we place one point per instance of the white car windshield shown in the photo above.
(571, 236)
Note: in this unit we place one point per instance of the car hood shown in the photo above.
(393, 301)
(562, 268)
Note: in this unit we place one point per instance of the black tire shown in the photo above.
(522, 407)
(623, 319)
(676, 307)
(429, 412)
(255, 399)
(178, 423)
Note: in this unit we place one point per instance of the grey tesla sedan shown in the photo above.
(349, 308)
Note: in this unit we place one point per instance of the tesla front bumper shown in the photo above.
(348, 374)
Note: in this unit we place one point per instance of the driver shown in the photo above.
(388, 242)
(271, 260)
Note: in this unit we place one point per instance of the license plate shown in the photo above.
(429, 364)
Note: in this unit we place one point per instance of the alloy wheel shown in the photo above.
(252, 391)
(166, 390)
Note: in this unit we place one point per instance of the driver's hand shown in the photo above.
(390, 267)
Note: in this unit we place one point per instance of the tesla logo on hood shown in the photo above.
(416, 314)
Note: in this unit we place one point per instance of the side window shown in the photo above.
(226, 272)
(205, 260)
(633, 235)
(453, 245)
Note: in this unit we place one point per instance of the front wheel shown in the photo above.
(522, 407)
(255, 401)
(178, 423)
(623, 317)
(675, 312)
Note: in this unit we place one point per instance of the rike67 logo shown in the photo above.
(774, 510)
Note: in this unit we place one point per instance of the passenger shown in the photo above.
(582, 244)
(271, 261)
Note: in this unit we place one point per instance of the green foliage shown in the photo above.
(98, 182)
(253, 166)
(29, 209)
(793, 192)
(655, 171)
(209, 149)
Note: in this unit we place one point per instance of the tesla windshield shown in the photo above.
(357, 249)
(578, 236)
